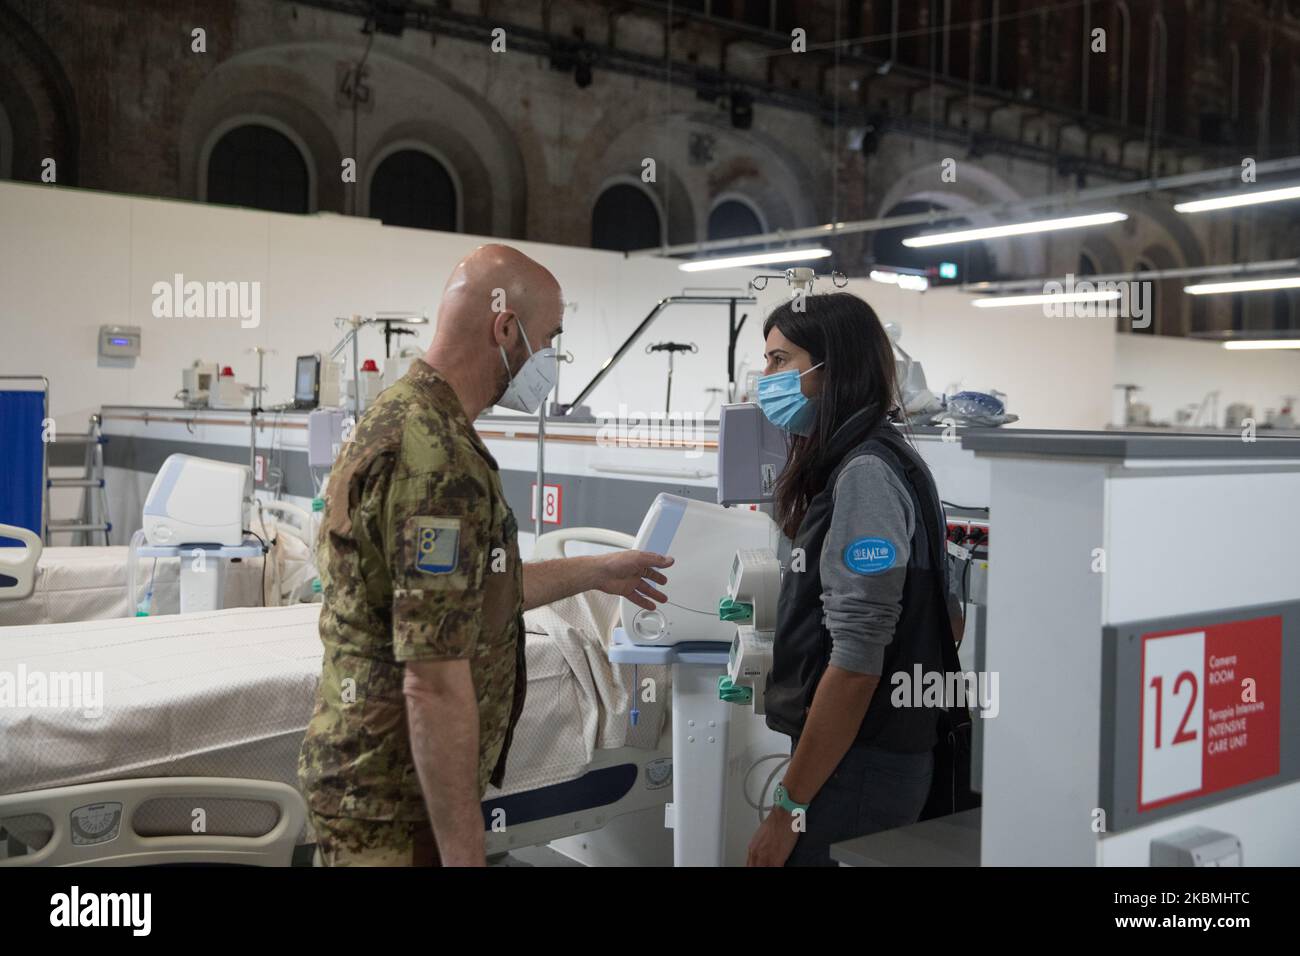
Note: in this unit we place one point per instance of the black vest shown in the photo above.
(802, 648)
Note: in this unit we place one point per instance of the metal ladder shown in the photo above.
(93, 517)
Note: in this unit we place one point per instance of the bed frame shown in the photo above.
(617, 781)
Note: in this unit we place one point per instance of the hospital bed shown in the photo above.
(187, 750)
(64, 584)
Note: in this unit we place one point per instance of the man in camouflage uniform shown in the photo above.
(423, 676)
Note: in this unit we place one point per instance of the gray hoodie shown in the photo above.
(862, 599)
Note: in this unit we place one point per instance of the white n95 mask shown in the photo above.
(529, 386)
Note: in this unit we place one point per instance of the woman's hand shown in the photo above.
(628, 574)
(774, 840)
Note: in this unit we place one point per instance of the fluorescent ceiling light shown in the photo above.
(756, 259)
(1232, 200)
(1241, 344)
(1244, 285)
(1014, 229)
(904, 280)
(1006, 301)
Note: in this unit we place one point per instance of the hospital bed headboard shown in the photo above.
(18, 565)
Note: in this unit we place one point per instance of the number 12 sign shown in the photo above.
(1210, 709)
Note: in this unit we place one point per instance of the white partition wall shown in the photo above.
(72, 260)
(1103, 543)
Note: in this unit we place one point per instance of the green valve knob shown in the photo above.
(738, 611)
(318, 504)
(316, 586)
(733, 693)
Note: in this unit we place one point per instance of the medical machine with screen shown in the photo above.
(306, 388)
(702, 538)
(198, 501)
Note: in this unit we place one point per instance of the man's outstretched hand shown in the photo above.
(629, 574)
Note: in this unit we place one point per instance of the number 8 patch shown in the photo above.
(437, 545)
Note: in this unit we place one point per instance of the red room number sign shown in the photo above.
(552, 503)
(1211, 715)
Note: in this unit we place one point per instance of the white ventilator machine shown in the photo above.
(705, 537)
(197, 510)
(689, 633)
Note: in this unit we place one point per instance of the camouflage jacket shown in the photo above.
(419, 560)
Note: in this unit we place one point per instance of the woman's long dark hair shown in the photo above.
(845, 333)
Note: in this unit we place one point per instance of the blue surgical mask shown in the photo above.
(782, 400)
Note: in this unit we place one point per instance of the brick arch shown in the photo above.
(609, 153)
(1170, 307)
(38, 103)
(759, 169)
(453, 153)
(284, 82)
(744, 163)
(1104, 253)
(241, 119)
(975, 187)
(278, 96)
(1170, 243)
(482, 151)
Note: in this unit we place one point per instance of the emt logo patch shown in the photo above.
(869, 556)
(437, 545)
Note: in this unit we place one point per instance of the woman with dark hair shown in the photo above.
(864, 593)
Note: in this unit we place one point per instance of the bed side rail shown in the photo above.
(91, 824)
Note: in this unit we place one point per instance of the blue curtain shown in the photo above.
(22, 471)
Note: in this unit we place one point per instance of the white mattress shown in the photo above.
(222, 693)
(229, 693)
(89, 584)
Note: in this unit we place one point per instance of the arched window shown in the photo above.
(1087, 265)
(732, 218)
(258, 167)
(625, 218)
(411, 188)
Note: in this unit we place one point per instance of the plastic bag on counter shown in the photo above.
(973, 408)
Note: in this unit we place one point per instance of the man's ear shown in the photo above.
(505, 327)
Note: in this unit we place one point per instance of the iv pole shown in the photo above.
(353, 324)
(261, 354)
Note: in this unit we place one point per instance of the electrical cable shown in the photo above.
(965, 593)
(148, 593)
(266, 550)
(744, 784)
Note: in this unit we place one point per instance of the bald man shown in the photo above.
(423, 676)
